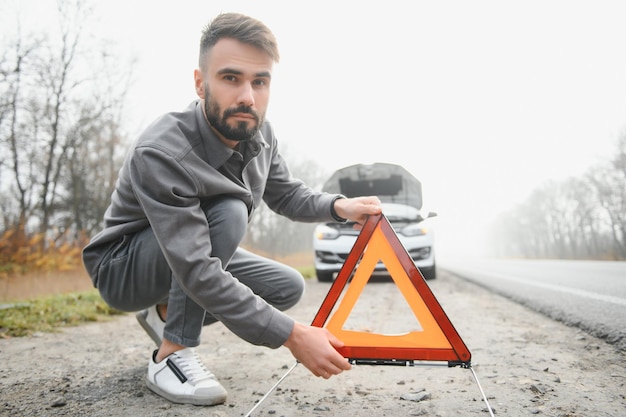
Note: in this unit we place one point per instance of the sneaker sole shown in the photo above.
(187, 399)
(141, 318)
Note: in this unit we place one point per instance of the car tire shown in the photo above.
(429, 273)
(324, 276)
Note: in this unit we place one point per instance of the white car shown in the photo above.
(401, 195)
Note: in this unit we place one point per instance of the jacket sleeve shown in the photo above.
(290, 197)
(182, 231)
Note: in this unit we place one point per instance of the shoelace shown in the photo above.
(193, 368)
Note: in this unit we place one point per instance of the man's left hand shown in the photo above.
(357, 209)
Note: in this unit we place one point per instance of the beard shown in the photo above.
(218, 119)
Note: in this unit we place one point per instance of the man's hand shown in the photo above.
(314, 347)
(357, 209)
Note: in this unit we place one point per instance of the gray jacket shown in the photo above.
(166, 177)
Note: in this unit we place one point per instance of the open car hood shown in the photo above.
(391, 183)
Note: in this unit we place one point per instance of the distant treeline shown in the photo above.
(579, 218)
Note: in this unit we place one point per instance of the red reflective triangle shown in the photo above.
(436, 341)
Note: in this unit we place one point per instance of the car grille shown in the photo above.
(331, 257)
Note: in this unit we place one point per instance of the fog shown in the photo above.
(483, 101)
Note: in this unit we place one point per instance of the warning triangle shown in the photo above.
(437, 340)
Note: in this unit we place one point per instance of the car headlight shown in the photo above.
(323, 232)
(414, 230)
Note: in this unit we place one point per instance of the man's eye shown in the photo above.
(231, 78)
(260, 83)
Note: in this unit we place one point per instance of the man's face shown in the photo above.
(235, 89)
(228, 122)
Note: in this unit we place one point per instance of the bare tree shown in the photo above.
(585, 230)
(92, 171)
(609, 184)
(13, 124)
(60, 126)
(58, 80)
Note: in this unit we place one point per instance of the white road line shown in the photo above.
(553, 287)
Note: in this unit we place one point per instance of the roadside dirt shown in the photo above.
(526, 363)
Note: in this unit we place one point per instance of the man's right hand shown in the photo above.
(315, 347)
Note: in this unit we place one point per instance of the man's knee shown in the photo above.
(228, 220)
(135, 275)
(293, 290)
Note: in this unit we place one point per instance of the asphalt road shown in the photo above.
(587, 294)
(527, 364)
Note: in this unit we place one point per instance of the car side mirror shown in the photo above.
(428, 216)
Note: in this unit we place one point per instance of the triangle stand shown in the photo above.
(437, 341)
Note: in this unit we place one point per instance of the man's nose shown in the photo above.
(246, 95)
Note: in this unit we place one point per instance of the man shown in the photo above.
(181, 205)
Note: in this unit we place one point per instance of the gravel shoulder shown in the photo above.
(527, 365)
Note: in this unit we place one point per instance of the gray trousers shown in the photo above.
(136, 275)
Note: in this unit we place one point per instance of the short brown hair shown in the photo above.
(237, 26)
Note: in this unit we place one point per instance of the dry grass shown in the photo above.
(45, 314)
(44, 301)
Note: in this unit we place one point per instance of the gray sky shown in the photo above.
(483, 101)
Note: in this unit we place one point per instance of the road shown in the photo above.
(587, 294)
(527, 364)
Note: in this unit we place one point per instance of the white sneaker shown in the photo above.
(182, 378)
(152, 323)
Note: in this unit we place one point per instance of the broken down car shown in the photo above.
(401, 196)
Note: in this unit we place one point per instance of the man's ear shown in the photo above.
(199, 82)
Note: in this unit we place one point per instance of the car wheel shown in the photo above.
(324, 276)
(429, 273)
